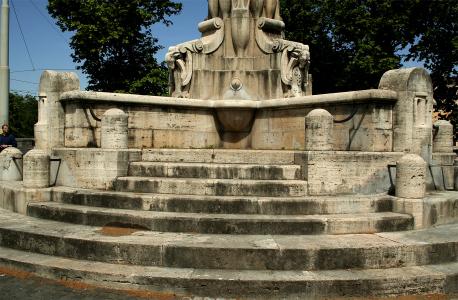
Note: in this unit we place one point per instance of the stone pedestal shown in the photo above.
(318, 130)
(411, 177)
(114, 129)
(36, 169)
(443, 138)
(11, 164)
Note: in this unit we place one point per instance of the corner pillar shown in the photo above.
(50, 128)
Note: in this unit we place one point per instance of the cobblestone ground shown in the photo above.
(24, 286)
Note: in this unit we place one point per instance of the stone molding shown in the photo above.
(363, 96)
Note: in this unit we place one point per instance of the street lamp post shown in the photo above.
(4, 62)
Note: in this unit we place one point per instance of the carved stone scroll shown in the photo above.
(295, 64)
(179, 58)
(213, 34)
(271, 25)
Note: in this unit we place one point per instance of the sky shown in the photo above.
(49, 47)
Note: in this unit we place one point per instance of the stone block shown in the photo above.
(185, 139)
(140, 138)
(36, 169)
(344, 172)
(114, 134)
(318, 130)
(11, 164)
(411, 177)
(443, 137)
(92, 167)
(435, 209)
(16, 198)
(412, 112)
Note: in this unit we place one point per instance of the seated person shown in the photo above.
(6, 138)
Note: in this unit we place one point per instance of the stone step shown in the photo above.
(222, 223)
(223, 156)
(230, 252)
(211, 170)
(182, 283)
(343, 204)
(216, 187)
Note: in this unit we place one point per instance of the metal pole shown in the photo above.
(4, 62)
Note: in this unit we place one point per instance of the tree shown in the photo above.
(113, 43)
(353, 43)
(23, 114)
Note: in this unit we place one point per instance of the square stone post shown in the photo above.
(49, 130)
(412, 126)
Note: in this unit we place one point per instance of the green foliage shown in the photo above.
(353, 43)
(113, 42)
(23, 114)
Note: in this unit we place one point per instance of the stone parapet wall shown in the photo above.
(91, 168)
(347, 172)
(276, 125)
(365, 131)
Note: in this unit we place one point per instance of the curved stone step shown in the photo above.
(223, 223)
(214, 171)
(231, 252)
(217, 187)
(308, 205)
(241, 284)
(223, 156)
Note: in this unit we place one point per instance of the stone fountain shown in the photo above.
(241, 56)
(242, 184)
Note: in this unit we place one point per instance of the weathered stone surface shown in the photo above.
(15, 197)
(49, 130)
(221, 156)
(163, 122)
(93, 167)
(224, 223)
(242, 252)
(443, 137)
(342, 172)
(36, 169)
(212, 170)
(432, 279)
(441, 172)
(318, 130)
(114, 133)
(344, 204)
(455, 168)
(218, 187)
(435, 209)
(411, 177)
(412, 112)
(11, 164)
